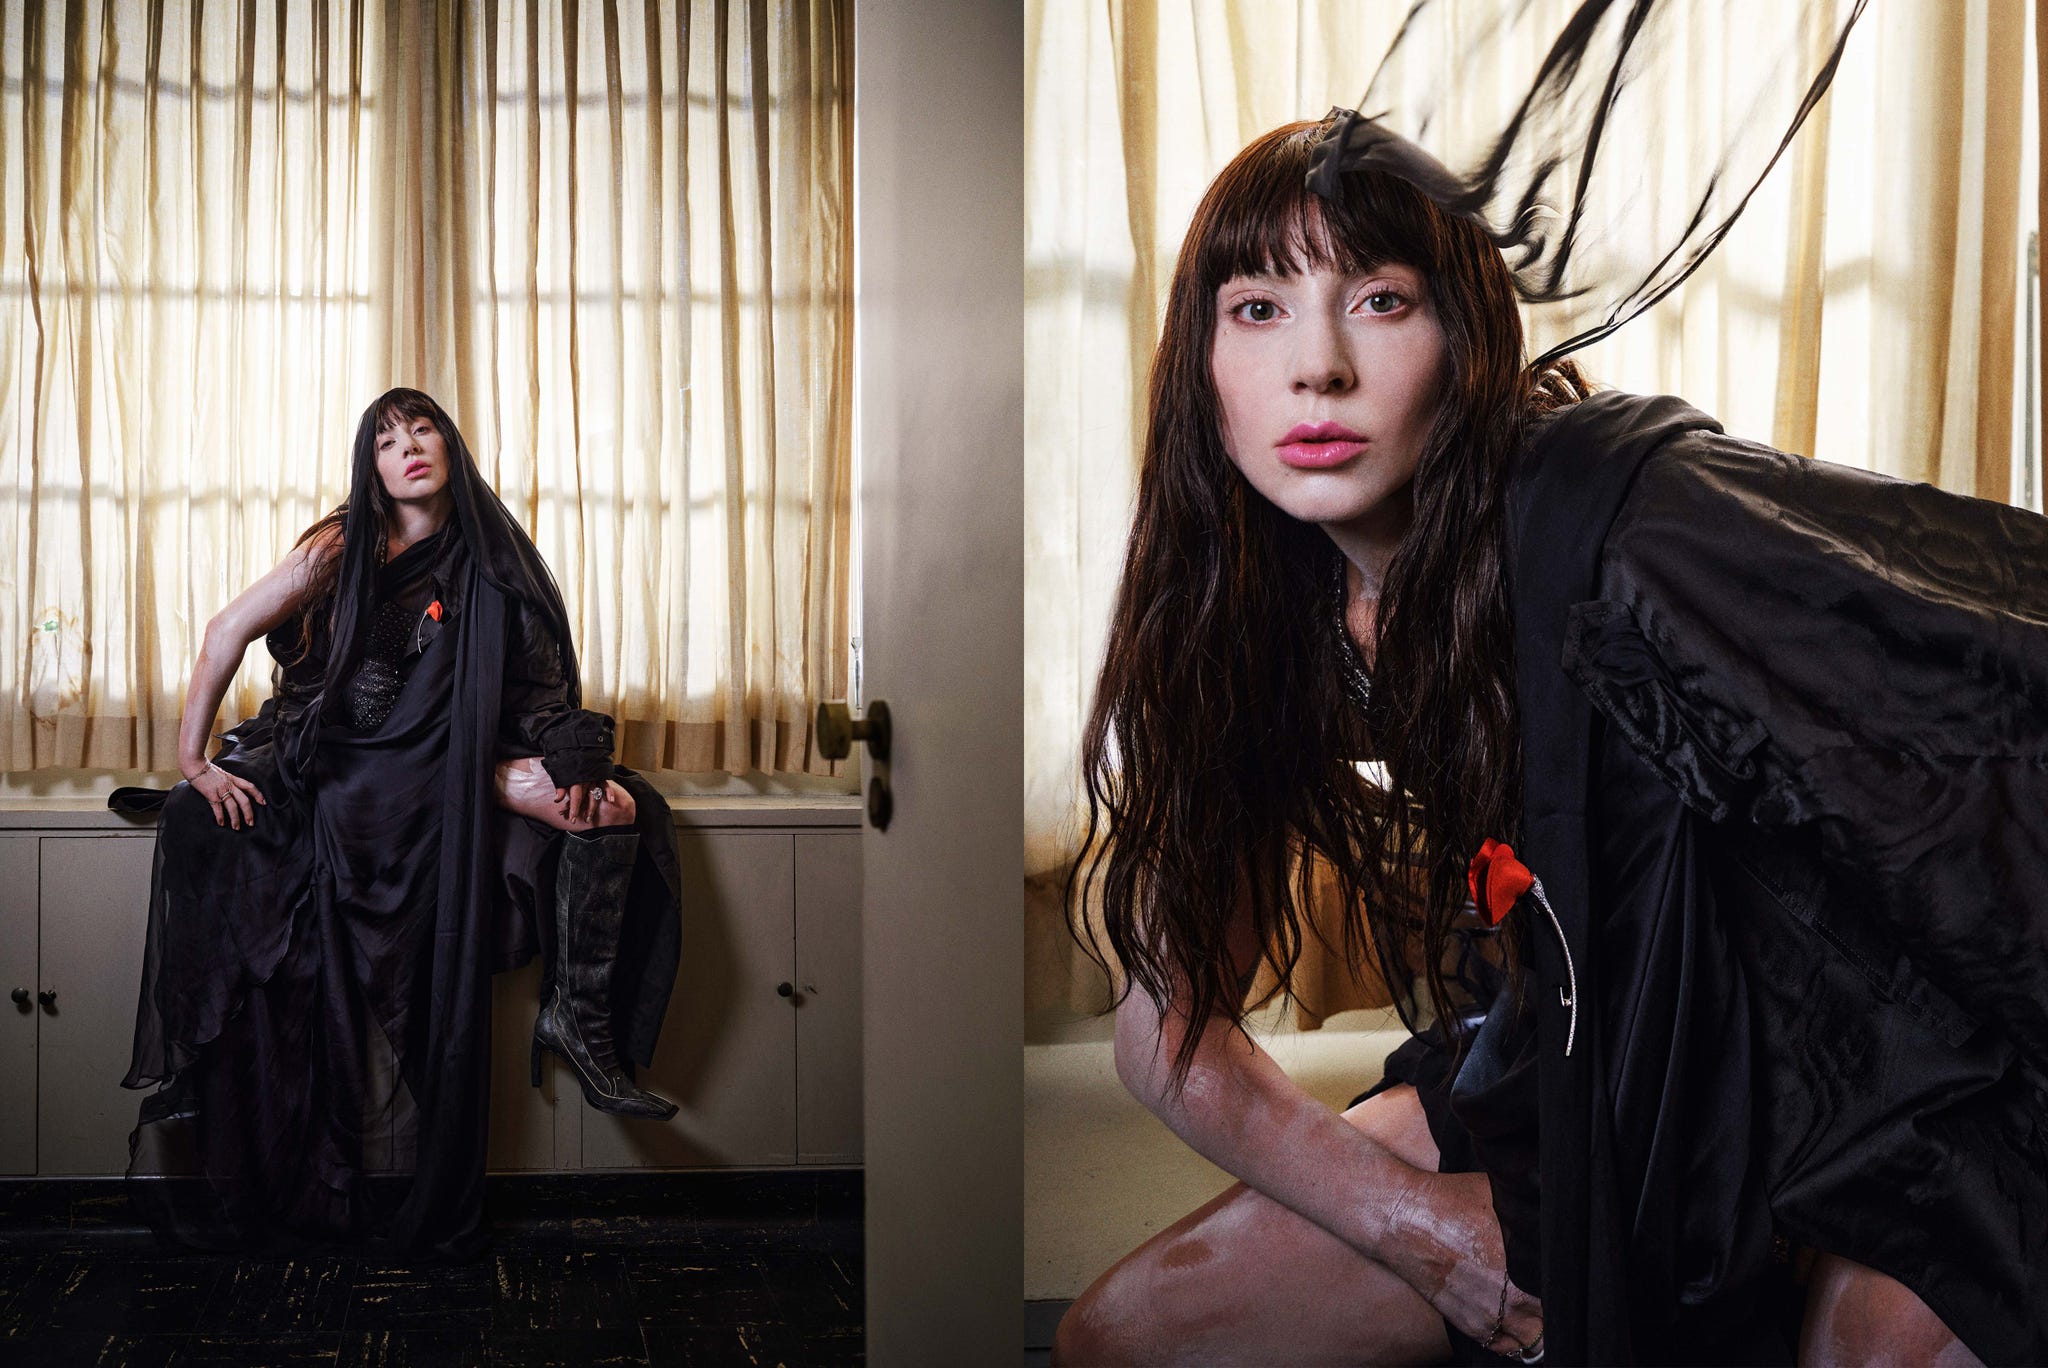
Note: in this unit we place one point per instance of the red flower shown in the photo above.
(434, 610)
(1497, 880)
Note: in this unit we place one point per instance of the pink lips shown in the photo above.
(416, 468)
(1319, 446)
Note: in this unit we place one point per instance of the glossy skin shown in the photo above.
(524, 788)
(263, 605)
(1362, 353)
(1327, 384)
(1248, 1280)
(1342, 1243)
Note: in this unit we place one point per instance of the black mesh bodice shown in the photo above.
(374, 688)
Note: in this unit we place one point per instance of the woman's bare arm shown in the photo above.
(1240, 1110)
(262, 606)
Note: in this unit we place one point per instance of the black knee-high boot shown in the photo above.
(575, 1021)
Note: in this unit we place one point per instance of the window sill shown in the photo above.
(76, 800)
(837, 811)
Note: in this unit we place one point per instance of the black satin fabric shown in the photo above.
(1797, 816)
(315, 1000)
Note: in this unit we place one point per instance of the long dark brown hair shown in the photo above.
(1219, 760)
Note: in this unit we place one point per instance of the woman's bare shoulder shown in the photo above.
(319, 546)
(283, 589)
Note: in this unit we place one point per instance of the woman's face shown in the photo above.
(1328, 382)
(412, 460)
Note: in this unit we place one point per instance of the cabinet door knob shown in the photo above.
(20, 996)
(784, 989)
(48, 997)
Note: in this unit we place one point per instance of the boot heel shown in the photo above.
(533, 1063)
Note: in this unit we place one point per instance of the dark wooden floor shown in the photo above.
(754, 1269)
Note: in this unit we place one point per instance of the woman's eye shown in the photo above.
(1258, 311)
(1383, 302)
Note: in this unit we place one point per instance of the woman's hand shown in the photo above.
(1445, 1243)
(234, 800)
(584, 803)
(524, 787)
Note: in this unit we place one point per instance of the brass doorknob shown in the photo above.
(838, 729)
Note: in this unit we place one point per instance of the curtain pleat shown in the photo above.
(1862, 309)
(224, 229)
(2040, 79)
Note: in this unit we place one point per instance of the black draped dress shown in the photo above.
(315, 998)
(1785, 734)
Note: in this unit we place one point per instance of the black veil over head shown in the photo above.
(503, 554)
(1586, 186)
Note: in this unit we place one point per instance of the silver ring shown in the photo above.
(1532, 1352)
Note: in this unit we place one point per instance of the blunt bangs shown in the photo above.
(1264, 220)
(401, 406)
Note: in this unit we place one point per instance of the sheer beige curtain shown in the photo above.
(614, 240)
(1862, 311)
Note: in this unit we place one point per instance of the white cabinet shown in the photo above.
(727, 1028)
(761, 1047)
(95, 906)
(70, 961)
(769, 986)
(19, 1013)
(828, 1098)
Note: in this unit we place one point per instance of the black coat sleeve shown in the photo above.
(575, 744)
(1798, 644)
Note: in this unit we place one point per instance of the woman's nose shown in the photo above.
(1329, 379)
(1323, 365)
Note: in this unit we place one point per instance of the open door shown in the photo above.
(939, 173)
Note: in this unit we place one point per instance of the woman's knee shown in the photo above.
(1102, 1327)
(620, 810)
(1395, 1119)
(1145, 1308)
(523, 787)
(1857, 1315)
(184, 808)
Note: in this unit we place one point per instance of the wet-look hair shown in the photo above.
(1219, 757)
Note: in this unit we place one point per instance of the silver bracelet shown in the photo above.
(1499, 1317)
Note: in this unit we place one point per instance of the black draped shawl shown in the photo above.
(316, 987)
(1785, 733)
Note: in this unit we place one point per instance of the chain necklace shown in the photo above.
(1350, 663)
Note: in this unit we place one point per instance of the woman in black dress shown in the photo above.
(422, 802)
(1738, 1052)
